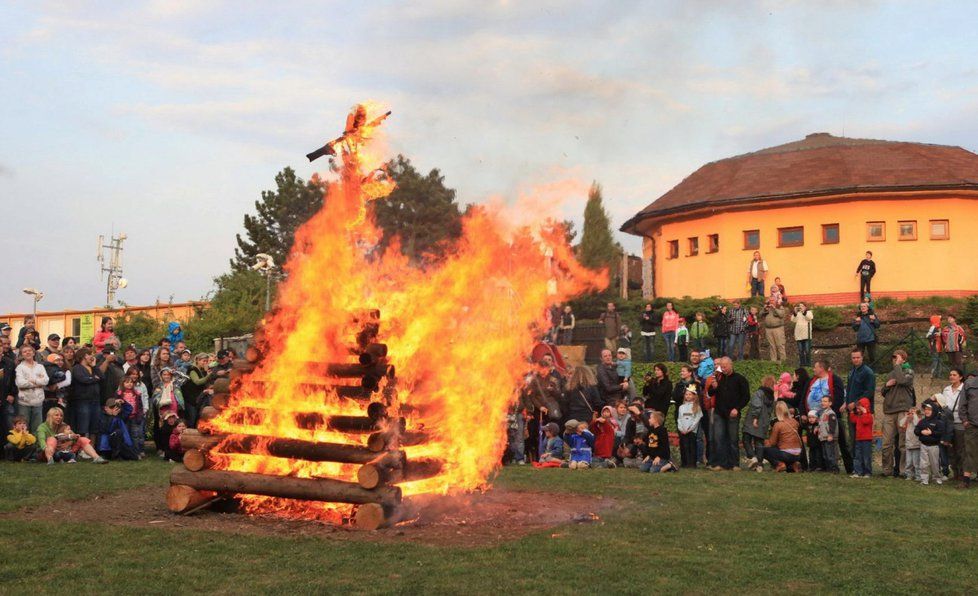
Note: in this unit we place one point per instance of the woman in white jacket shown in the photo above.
(31, 379)
(802, 318)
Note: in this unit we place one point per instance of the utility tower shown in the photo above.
(111, 265)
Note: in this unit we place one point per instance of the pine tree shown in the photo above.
(280, 212)
(421, 211)
(597, 248)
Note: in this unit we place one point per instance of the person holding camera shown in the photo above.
(802, 319)
(772, 318)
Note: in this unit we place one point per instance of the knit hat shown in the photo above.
(571, 424)
(813, 413)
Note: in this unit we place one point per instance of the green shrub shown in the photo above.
(826, 318)
(140, 329)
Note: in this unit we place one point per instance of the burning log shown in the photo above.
(307, 489)
(209, 413)
(392, 470)
(219, 401)
(287, 448)
(360, 424)
(222, 385)
(384, 440)
(352, 369)
(373, 354)
(184, 499)
(243, 364)
(252, 354)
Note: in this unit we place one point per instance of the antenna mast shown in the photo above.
(111, 266)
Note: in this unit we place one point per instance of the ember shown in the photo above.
(316, 422)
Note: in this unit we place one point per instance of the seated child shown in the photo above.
(656, 450)
(21, 444)
(605, 427)
(581, 443)
(174, 451)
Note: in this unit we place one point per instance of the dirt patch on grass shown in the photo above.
(481, 519)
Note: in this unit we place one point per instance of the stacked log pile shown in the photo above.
(377, 450)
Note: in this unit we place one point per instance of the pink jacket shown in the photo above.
(670, 321)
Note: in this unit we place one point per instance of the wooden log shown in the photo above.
(343, 370)
(308, 489)
(357, 424)
(384, 440)
(373, 516)
(219, 401)
(345, 391)
(209, 413)
(384, 470)
(373, 354)
(287, 448)
(252, 354)
(195, 460)
(181, 498)
(243, 364)
(221, 385)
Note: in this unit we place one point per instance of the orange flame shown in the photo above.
(458, 332)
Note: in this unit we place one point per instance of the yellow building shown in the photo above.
(83, 323)
(813, 208)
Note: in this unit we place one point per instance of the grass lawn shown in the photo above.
(689, 532)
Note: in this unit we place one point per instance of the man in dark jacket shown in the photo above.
(648, 322)
(732, 393)
(865, 325)
(968, 414)
(737, 318)
(846, 443)
(861, 383)
(612, 327)
(8, 388)
(610, 388)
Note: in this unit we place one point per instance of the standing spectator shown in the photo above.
(106, 335)
(197, 391)
(898, 397)
(566, 328)
(860, 384)
(134, 414)
(610, 389)
(85, 394)
(612, 326)
(783, 447)
(838, 395)
(756, 422)
(682, 340)
(862, 420)
(772, 318)
(721, 329)
(31, 380)
(27, 328)
(8, 388)
(658, 389)
(865, 272)
(53, 347)
(581, 397)
(952, 398)
(688, 416)
(865, 325)
(968, 413)
(799, 387)
(144, 365)
(5, 331)
(59, 382)
(169, 400)
(687, 379)
(130, 357)
(935, 342)
(753, 334)
(756, 273)
(738, 330)
(648, 322)
(954, 341)
(670, 322)
(732, 393)
(930, 430)
(161, 359)
(802, 318)
(828, 427)
(110, 369)
(699, 331)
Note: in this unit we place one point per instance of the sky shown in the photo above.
(166, 119)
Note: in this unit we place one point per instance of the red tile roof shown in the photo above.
(819, 164)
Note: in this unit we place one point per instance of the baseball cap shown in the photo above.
(5, 326)
(223, 354)
(54, 336)
(113, 402)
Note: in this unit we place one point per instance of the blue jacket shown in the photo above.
(580, 446)
(174, 333)
(555, 447)
(865, 328)
(861, 383)
(706, 367)
(109, 425)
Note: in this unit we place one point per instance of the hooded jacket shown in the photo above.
(604, 433)
(935, 424)
(863, 422)
(174, 333)
(759, 409)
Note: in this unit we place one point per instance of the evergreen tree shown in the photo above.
(597, 248)
(421, 211)
(280, 212)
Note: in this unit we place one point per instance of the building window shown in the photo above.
(791, 237)
(694, 247)
(908, 230)
(713, 243)
(752, 239)
(940, 229)
(673, 249)
(830, 233)
(875, 231)
(76, 327)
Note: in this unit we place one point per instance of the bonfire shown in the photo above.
(374, 380)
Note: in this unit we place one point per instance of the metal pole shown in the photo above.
(268, 290)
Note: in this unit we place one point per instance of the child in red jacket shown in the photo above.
(604, 427)
(862, 417)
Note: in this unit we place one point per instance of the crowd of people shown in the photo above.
(795, 422)
(100, 401)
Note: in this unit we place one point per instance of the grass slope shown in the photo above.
(689, 532)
